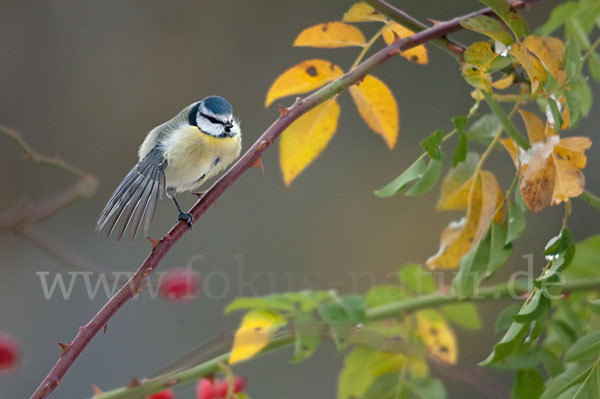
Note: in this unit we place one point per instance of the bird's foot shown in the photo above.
(187, 217)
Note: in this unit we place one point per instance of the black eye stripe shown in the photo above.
(211, 119)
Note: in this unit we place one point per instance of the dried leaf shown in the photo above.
(569, 181)
(437, 336)
(396, 31)
(378, 108)
(549, 50)
(538, 178)
(254, 333)
(303, 77)
(303, 141)
(572, 149)
(536, 130)
(330, 35)
(457, 184)
(363, 12)
(504, 82)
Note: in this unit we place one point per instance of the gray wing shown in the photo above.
(135, 198)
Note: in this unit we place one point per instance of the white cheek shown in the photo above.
(208, 127)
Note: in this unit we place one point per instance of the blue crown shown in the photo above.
(217, 105)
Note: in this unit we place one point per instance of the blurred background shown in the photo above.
(87, 80)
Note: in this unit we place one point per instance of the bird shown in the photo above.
(179, 155)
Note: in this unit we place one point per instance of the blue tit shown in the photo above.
(179, 155)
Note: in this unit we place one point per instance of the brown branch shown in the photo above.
(159, 251)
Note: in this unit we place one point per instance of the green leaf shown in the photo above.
(338, 320)
(490, 27)
(484, 129)
(414, 171)
(558, 121)
(594, 66)
(509, 128)
(516, 222)
(460, 122)
(362, 366)
(383, 387)
(511, 18)
(558, 17)
(585, 348)
(384, 294)
(308, 336)
(355, 306)
(472, 268)
(428, 180)
(533, 309)
(572, 59)
(499, 250)
(579, 100)
(426, 388)
(528, 384)
(417, 279)
(586, 262)
(575, 30)
(568, 381)
(594, 305)
(432, 145)
(462, 148)
(509, 342)
(504, 319)
(463, 314)
(268, 302)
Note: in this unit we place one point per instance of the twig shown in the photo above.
(590, 199)
(162, 247)
(512, 289)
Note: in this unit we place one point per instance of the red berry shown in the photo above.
(221, 387)
(179, 284)
(166, 394)
(239, 383)
(9, 352)
(205, 389)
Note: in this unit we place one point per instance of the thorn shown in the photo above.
(299, 100)
(154, 242)
(45, 390)
(394, 52)
(97, 391)
(199, 194)
(64, 348)
(133, 383)
(282, 111)
(259, 163)
(215, 204)
(396, 37)
(105, 327)
(262, 146)
(359, 81)
(171, 382)
(435, 22)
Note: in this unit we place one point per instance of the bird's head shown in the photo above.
(213, 115)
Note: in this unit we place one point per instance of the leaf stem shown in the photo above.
(590, 199)
(513, 289)
(369, 45)
(591, 50)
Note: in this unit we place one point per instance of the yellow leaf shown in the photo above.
(303, 77)
(535, 70)
(396, 31)
(572, 149)
(303, 141)
(378, 108)
(330, 35)
(437, 336)
(504, 82)
(254, 333)
(511, 148)
(536, 130)
(480, 54)
(363, 12)
(549, 50)
(538, 175)
(569, 181)
(485, 196)
(477, 77)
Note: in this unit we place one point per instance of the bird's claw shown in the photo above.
(187, 217)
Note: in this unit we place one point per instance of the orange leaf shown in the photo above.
(363, 12)
(396, 31)
(303, 77)
(378, 108)
(535, 70)
(569, 181)
(572, 149)
(484, 198)
(511, 148)
(303, 141)
(536, 130)
(330, 35)
(549, 50)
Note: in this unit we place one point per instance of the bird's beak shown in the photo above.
(228, 126)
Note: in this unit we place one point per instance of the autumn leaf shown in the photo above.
(363, 12)
(437, 336)
(303, 141)
(303, 77)
(572, 149)
(536, 130)
(330, 35)
(538, 175)
(569, 181)
(504, 82)
(378, 108)
(549, 50)
(396, 31)
(482, 195)
(535, 70)
(254, 333)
